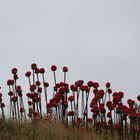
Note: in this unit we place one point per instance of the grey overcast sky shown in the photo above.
(98, 40)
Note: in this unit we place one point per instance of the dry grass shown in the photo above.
(44, 131)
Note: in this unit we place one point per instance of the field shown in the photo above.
(69, 114)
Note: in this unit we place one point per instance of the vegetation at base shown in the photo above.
(44, 131)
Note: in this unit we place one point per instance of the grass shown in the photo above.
(44, 131)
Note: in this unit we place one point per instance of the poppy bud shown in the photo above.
(42, 70)
(10, 93)
(38, 83)
(10, 82)
(108, 85)
(109, 90)
(33, 66)
(53, 68)
(95, 84)
(37, 70)
(28, 74)
(46, 84)
(65, 69)
(14, 71)
(71, 98)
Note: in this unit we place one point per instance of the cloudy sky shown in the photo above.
(98, 40)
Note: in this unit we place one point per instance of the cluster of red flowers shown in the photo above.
(17, 110)
(74, 104)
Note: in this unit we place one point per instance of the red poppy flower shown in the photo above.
(90, 83)
(14, 71)
(95, 91)
(101, 93)
(111, 106)
(108, 103)
(108, 85)
(121, 94)
(62, 90)
(54, 103)
(36, 99)
(28, 74)
(65, 69)
(89, 120)
(73, 88)
(65, 104)
(79, 83)
(30, 102)
(126, 112)
(71, 98)
(79, 120)
(35, 114)
(49, 105)
(82, 87)
(95, 84)
(37, 70)
(53, 68)
(132, 115)
(32, 87)
(86, 89)
(42, 70)
(71, 113)
(39, 90)
(116, 99)
(28, 95)
(130, 102)
(35, 94)
(117, 126)
(115, 94)
(18, 89)
(10, 82)
(33, 66)
(94, 115)
(58, 96)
